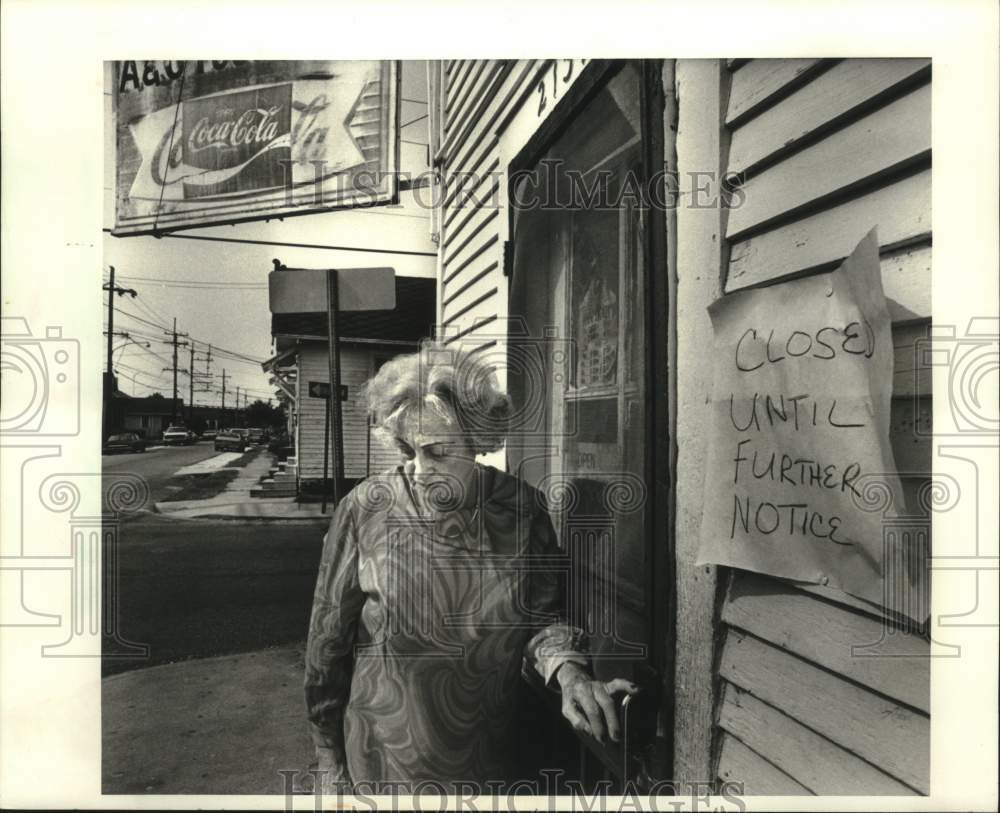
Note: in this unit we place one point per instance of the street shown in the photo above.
(198, 588)
(195, 588)
(156, 465)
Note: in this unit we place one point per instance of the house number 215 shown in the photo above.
(555, 80)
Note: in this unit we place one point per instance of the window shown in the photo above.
(580, 378)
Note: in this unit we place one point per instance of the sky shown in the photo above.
(218, 291)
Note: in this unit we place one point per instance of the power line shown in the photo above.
(221, 350)
(318, 246)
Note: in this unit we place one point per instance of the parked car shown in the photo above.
(178, 436)
(209, 434)
(124, 442)
(257, 435)
(230, 440)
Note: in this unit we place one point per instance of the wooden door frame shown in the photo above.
(659, 327)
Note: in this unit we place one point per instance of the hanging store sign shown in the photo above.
(801, 475)
(208, 142)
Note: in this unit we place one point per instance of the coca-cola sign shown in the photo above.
(216, 141)
(239, 139)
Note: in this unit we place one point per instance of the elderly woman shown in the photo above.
(431, 592)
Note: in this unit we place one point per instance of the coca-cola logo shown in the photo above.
(226, 131)
(230, 129)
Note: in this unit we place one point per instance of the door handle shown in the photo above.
(639, 716)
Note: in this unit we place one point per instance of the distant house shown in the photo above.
(148, 416)
(367, 340)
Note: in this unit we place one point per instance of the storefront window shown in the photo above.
(582, 437)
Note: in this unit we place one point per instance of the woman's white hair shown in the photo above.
(441, 384)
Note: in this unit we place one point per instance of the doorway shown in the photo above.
(588, 297)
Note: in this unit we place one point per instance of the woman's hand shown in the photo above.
(588, 704)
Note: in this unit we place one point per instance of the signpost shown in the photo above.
(332, 290)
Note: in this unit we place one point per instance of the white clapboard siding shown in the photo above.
(481, 274)
(875, 728)
(468, 94)
(831, 691)
(471, 284)
(858, 647)
(891, 137)
(911, 374)
(476, 294)
(832, 96)
(472, 335)
(354, 366)
(758, 777)
(910, 426)
(760, 81)
(467, 236)
(906, 280)
(901, 211)
(821, 766)
(508, 82)
(481, 188)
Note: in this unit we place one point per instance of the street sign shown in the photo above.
(321, 389)
(304, 290)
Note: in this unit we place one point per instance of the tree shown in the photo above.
(263, 414)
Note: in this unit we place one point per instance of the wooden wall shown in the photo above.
(355, 369)
(825, 150)
(819, 693)
(476, 96)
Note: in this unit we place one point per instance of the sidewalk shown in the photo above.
(214, 725)
(236, 503)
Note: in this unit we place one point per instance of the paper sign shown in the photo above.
(801, 480)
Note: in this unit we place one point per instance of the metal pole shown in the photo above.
(326, 454)
(333, 352)
(191, 387)
(173, 408)
(109, 386)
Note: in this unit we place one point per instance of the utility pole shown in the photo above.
(223, 395)
(203, 379)
(236, 407)
(109, 384)
(174, 336)
(191, 386)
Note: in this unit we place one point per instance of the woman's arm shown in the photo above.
(337, 604)
(560, 651)
(559, 642)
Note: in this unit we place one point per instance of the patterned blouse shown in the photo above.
(419, 628)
